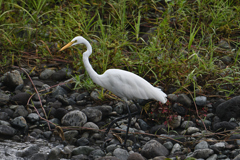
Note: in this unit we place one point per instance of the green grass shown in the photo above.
(182, 52)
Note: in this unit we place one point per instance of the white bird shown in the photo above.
(124, 84)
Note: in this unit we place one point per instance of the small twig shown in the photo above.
(196, 109)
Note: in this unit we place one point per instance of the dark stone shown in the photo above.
(7, 130)
(60, 112)
(220, 126)
(3, 116)
(158, 129)
(20, 98)
(4, 98)
(229, 109)
(179, 109)
(59, 75)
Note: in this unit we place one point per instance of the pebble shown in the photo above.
(74, 118)
(153, 148)
(93, 115)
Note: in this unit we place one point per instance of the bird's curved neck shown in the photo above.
(94, 76)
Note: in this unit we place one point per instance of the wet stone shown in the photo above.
(33, 117)
(121, 154)
(93, 115)
(3, 116)
(19, 122)
(74, 118)
(7, 130)
(153, 148)
(20, 111)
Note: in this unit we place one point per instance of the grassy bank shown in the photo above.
(176, 44)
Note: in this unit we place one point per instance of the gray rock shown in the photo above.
(119, 107)
(111, 147)
(55, 153)
(187, 124)
(168, 145)
(229, 109)
(135, 156)
(4, 98)
(3, 116)
(201, 145)
(176, 148)
(19, 122)
(201, 101)
(172, 97)
(184, 99)
(237, 157)
(69, 135)
(21, 98)
(59, 75)
(39, 156)
(212, 157)
(4, 123)
(60, 112)
(55, 121)
(46, 88)
(91, 125)
(201, 153)
(7, 130)
(86, 150)
(224, 126)
(47, 134)
(29, 151)
(179, 109)
(20, 111)
(192, 130)
(108, 158)
(94, 95)
(93, 115)
(97, 153)
(159, 158)
(33, 117)
(46, 74)
(62, 99)
(80, 157)
(82, 141)
(153, 148)
(206, 122)
(158, 129)
(105, 109)
(219, 146)
(59, 91)
(81, 96)
(12, 79)
(124, 127)
(121, 154)
(143, 125)
(74, 118)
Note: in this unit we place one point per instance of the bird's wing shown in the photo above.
(128, 85)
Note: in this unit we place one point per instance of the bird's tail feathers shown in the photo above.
(160, 95)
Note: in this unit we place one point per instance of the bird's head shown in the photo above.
(74, 41)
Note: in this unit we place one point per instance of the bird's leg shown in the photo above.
(129, 123)
(125, 116)
(138, 107)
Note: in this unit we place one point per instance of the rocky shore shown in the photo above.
(58, 122)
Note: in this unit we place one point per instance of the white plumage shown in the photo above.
(124, 84)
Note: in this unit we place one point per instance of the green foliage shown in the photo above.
(181, 50)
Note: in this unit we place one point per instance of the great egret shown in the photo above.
(124, 84)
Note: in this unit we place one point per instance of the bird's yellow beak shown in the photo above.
(66, 46)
